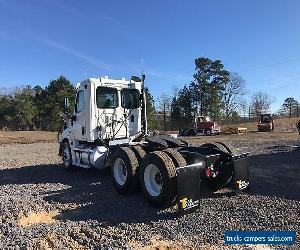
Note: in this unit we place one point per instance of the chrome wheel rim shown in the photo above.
(66, 157)
(153, 180)
(120, 171)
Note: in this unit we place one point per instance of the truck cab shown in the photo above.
(205, 125)
(105, 110)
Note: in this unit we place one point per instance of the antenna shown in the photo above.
(143, 111)
(142, 62)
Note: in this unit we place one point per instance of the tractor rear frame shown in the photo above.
(186, 173)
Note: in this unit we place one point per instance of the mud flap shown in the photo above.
(188, 186)
(192, 184)
(241, 172)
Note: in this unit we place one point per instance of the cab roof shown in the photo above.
(105, 81)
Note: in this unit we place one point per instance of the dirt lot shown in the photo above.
(9, 137)
(42, 206)
(281, 124)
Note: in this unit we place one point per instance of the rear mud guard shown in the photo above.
(241, 172)
(188, 186)
(191, 185)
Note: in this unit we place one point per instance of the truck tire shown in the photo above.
(67, 156)
(139, 153)
(194, 132)
(156, 143)
(171, 141)
(158, 179)
(208, 132)
(177, 158)
(221, 146)
(124, 170)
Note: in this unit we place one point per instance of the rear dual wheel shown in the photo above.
(156, 170)
(124, 170)
(177, 158)
(158, 178)
(139, 153)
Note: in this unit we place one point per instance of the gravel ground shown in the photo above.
(42, 206)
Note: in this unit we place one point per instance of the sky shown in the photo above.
(258, 39)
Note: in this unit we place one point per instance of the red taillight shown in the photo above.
(207, 172)
(211, 170)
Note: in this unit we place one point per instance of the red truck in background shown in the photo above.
(204, 125)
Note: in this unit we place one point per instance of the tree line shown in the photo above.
(213, 92)
(35, 108)
(217, 93)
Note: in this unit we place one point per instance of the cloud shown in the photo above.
(96, 62)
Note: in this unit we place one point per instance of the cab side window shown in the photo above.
(80, 101)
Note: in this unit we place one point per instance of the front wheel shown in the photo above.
(67, 156)
(208, 132)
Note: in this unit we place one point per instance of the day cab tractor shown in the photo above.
(108, 129)
(204, 125)
(265, 123)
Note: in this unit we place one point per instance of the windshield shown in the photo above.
(130, 98)
(265, 118)
(106, 97)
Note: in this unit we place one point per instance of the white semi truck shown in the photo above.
(108, 129)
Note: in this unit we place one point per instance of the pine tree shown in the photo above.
(208, 86)
(150, 108)
(290, 105)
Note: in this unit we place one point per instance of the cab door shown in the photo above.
(79, 119)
